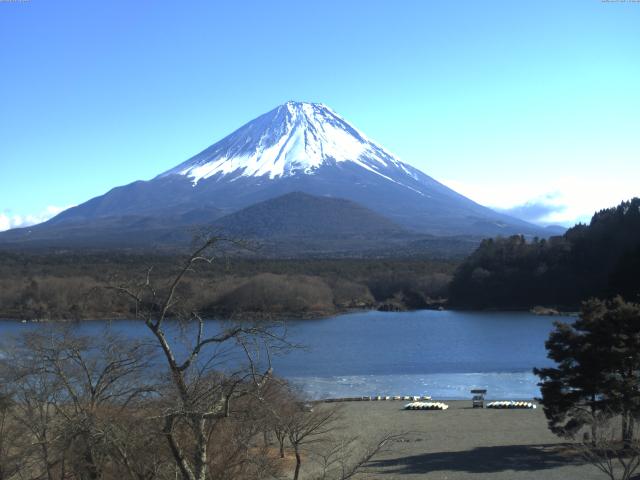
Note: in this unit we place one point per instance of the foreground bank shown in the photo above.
(464, 443)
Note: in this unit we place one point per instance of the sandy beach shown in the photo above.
(464, 443)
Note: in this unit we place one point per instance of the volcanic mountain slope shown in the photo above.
(294, 225)
(301, 215)
(302, 225)
(297, 147)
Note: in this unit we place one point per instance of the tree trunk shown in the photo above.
(47, 463)
(93, 471)
(594, 421)
(181, 462)
(298, 463)
(281, 437)
(201, 448)
(627, 429)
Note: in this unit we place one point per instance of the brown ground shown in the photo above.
(464, 443)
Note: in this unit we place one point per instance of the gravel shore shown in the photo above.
(464, 443)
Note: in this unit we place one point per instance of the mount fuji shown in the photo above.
(297, 147)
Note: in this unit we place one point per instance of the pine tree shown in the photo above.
(597, 371)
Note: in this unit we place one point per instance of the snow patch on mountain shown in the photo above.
(295, 138)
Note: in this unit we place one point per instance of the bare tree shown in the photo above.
(68, 391)
(317, 433)
(11, 439)
(346, 457)
(35, 395)
(238, 452)
(315, 430)
(278, 405)
(616, 458)
(137, 448)
(198, 395)
(306, 428)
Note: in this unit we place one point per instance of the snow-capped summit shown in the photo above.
(294, 138)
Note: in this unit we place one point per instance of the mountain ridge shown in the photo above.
(296, 147)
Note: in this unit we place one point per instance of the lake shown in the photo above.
(439, 353)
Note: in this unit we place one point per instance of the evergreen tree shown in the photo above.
(598, 368)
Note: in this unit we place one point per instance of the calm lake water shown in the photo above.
(439, 353)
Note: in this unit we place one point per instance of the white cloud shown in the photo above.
(538, 210)
(568, 199)
(9, 220)
(5, 222)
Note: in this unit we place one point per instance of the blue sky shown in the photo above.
(525, 104)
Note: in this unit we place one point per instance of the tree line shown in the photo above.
(596, 260)
(68, 286)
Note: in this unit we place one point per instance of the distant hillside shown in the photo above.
(111, 233)
(299, 215)
(302, 225)
(294, 225)
(600, 259)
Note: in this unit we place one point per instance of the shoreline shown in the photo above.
(412, 398)
(302, 315)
